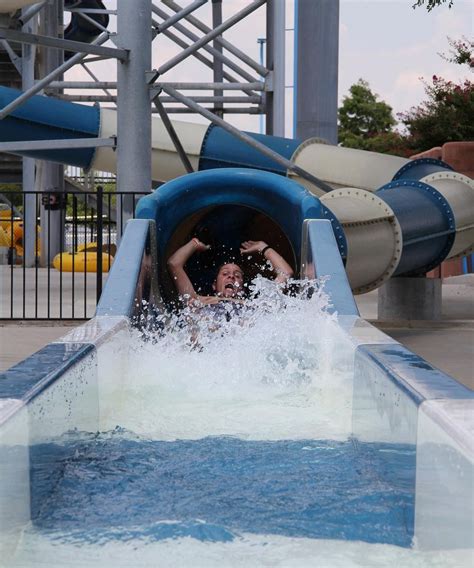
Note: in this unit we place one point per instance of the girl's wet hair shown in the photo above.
(229, 261)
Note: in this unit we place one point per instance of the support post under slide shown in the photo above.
(320, 257)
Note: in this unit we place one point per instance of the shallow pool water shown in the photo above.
(114, 486)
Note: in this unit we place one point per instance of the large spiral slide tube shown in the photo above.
(391, 216)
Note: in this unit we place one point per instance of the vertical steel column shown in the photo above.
(261, 42)
(53, 174)
(316, 75)
(133, 103)
(218, 68)
(28, 178)
(275, 99)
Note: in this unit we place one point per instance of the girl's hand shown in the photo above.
(249, 247)
(199, 246)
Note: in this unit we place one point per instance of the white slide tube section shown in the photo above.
(458, 190)
(344, 167)
(165, 161)
(374, 236)
(12, 5)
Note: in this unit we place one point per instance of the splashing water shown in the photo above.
(270, 367)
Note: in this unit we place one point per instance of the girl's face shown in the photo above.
(230, 281)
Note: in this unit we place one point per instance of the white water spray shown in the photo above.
(269, 368)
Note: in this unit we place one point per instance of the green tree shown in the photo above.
(448, 113)
(364, 120)
(460, 52)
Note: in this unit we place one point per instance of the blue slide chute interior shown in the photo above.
(255, 205)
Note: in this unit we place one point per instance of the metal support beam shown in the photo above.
(28, 53)
(211, 35)
(52, 175)
(230, 110)
(89, 72)
(93, 22)
(12, 55)
(316, 68)
(64, 44)
(30, 12)
(173, 135)
(31, 145)
(134, 107)
(257, 86)
(218, 68)
(83, 84)
(94, 59)
(275, 100)
(217, 55)
(179, 15)
(200, 57)
(92, 11)
(248, 140)
(260, 69)
(46, 80)
(164, 100)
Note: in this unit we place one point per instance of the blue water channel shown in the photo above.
(113, 486)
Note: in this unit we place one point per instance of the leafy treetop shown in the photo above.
(430, 4)
(363, 117)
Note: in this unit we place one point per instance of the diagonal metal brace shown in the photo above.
(247, 139)
(63, 143)
(66, 44)
(172, 134)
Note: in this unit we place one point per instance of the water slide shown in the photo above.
(303, 433)
(391, 216)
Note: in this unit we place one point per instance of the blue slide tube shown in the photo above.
(418, 169)
(42, 118)
(427, 223)
(255, 205)
(222, 150)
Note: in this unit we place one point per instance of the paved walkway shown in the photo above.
(448, 343)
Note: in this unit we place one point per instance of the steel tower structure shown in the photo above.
(240, 85)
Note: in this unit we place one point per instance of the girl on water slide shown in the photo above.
(229, 282)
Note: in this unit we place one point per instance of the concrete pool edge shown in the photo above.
(400, 398)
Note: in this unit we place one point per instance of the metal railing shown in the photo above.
(79, 175)
(55, 269)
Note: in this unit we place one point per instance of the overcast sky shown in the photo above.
(385, 42)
